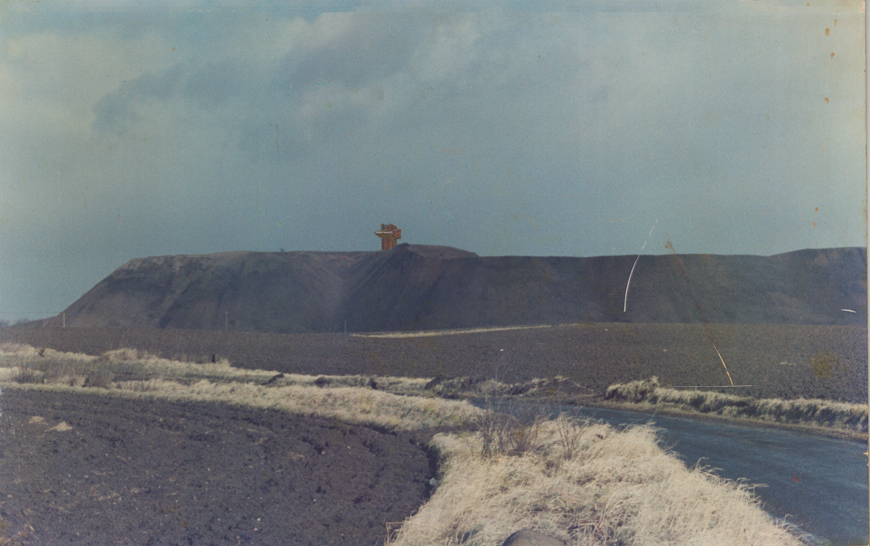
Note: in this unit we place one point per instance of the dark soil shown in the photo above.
(779, 361)
(158, 472)
(419, 287)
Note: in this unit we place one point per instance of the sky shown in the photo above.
(132, 129)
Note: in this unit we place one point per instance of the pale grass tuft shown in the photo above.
(822, 413)
(348, 404)
(147, 385)
(395, 385)
(18, 349)
(353, 399)
(63, 426)
(600, 486)
(124, 354)
(26, 351)
(151, 365)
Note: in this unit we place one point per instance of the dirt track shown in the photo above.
(136, 472)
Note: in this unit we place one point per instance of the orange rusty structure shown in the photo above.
(389, 234)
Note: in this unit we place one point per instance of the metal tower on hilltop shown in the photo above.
(389, 234)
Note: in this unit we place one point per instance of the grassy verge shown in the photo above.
(648, 394)
(377, 401)
(583, 482)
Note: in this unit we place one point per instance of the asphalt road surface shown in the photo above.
(815, 483)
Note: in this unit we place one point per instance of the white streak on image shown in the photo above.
(625, 303)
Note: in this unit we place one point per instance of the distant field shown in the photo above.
(780, 361)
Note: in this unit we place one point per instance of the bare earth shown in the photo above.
(133, 472)
(776, 359)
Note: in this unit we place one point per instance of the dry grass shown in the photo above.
(509, 431)
(587, 484)
(348, 404)
(379, 401)
(558, 387)
(49, 366)
(821, 413)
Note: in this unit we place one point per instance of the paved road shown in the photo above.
(816, 483)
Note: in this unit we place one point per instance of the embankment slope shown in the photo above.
(416, 287)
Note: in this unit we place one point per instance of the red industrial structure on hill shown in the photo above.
(389, 234)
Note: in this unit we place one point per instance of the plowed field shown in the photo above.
(84, 469)
(779, 361)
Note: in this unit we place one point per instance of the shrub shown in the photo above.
(634, 391)
(101, 379)
(27, 373)
(58, 370)
(509, 430)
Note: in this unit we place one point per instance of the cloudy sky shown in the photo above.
(131, 129)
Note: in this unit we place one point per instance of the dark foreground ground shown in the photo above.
(778, 361)
(156, 472)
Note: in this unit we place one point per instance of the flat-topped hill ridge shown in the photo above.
(422, 287)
